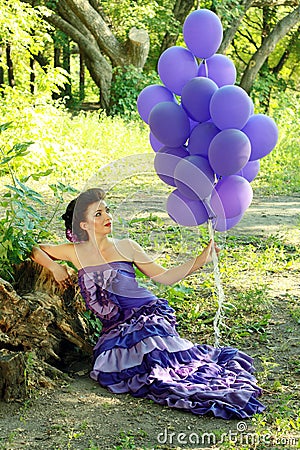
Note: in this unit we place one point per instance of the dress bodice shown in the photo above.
(112, 285)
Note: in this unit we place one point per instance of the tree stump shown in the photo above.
(41, 326)
(12, 375)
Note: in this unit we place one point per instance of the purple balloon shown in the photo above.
(150, 96)
(176, 66)
(229, 152)
(263, 134)
(194, 177)
(193, 124)
(231, 197)
(218, 68)
(230, 107)
(201, 137)
(222, 224)
(165, 162)
(185, 211)
(250, 170)
(155, 143)
(170, 124)
(202, 33)
(196, 96)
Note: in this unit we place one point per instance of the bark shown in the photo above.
(257, 60)
(39, 321)
(10, 68)
(32, 76)
(102, 51)
(229, 33)
(81, 77)
(138, 47)
(1, 73)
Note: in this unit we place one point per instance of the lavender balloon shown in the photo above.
(196, 96)
(194, 177)
(165, 162)
(201, 137)
(263, 134)
(202, 33)
(155, 143)
(231, 197)
(185, 211)
(229, 152)
(176, 66)
(218, 68)
(230, 107)
(150, 96)
(170, 124)
(250, 170)
(222, 224)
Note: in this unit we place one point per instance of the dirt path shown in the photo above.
(78, 414)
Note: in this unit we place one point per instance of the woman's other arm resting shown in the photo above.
(173, 275)
(46, 254)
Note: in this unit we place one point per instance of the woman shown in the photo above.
(139, 350)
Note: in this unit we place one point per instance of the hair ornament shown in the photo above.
(72, 237)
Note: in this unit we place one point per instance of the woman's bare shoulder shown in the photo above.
(125, 246)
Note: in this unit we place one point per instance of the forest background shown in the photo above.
(70, 74)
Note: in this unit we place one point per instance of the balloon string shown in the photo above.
(221, 297)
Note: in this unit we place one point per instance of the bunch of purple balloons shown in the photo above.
(207, 139)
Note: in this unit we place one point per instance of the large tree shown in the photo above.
(112, 34)
(86, 24)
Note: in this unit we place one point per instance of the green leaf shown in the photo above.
(5, 126)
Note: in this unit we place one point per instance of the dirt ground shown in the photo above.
(79, 414)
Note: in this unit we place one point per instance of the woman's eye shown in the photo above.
(98, 214)
(108, 210)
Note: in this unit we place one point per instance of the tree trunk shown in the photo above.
(257, 60)
(67, 92)
(1, 73)
(138, 45)
(180, 11)
(85, 25)
(230, 32)
(32, 76)
(81, 78)
(10, 69)
(41, 328)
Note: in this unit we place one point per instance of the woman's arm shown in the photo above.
(46, 254)
(173, 275)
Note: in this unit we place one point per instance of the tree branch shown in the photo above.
(230, 32)
(106, 40)
(256, 61)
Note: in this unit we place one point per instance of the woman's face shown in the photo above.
(98, 219)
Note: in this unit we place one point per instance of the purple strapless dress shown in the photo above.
(140, 352)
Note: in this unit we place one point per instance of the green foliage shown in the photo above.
(21, 222)
(279, 171)
(127, 83)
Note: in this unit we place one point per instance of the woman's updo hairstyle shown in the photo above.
(76, 213)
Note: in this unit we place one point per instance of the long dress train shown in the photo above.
(140, 352)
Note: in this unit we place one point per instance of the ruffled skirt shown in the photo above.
(142, 354)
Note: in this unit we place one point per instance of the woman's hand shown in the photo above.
(207, 254)
(60, 274)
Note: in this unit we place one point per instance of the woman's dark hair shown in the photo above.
(76, 213)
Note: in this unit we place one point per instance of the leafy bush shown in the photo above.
(126, 86)
(21, 223)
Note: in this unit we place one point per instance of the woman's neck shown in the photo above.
(101, 243)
